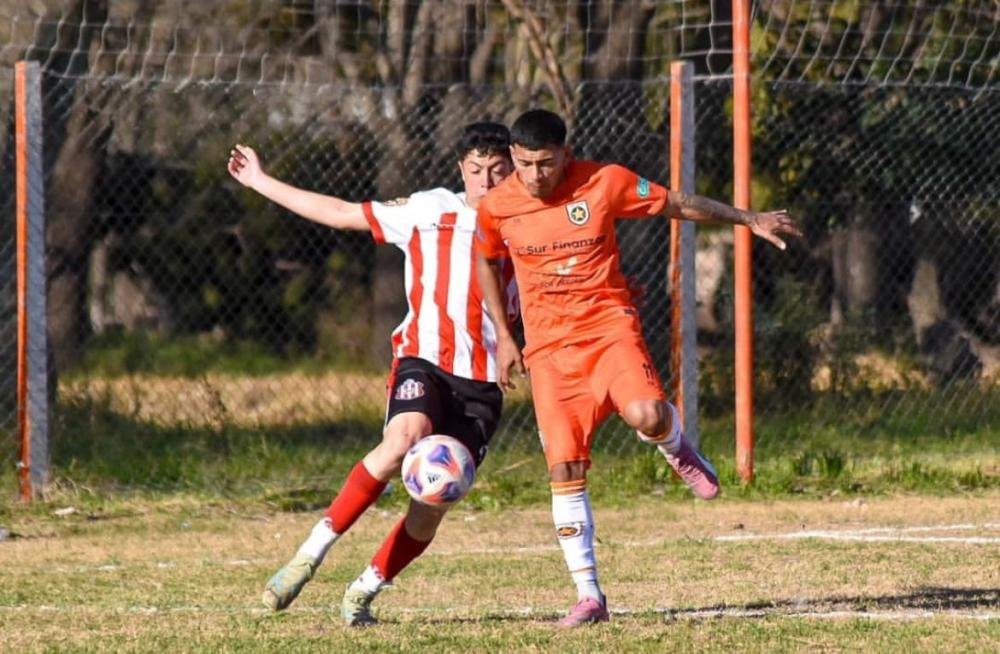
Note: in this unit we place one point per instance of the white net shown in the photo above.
(888, 42)
(321, 43)
(301, 42)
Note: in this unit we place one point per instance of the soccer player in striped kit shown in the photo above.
(443, 378)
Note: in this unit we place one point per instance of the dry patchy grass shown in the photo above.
(186, 576)
(216, 399)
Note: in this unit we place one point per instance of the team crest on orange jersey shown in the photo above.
(410, 389)
(578, 212)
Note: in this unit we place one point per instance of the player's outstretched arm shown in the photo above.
(509, 358)
(244, 166)
(767, 225)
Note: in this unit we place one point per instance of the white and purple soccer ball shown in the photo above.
(438, 470)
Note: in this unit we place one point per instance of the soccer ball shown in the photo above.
(438, 470)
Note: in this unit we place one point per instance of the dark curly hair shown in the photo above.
(484, 138)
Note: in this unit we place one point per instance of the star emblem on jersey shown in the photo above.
(578, 212)
(410, 389)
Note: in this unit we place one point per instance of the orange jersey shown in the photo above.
(565, 252)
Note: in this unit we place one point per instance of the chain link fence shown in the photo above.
(180, 300)
(8, 289)
(887, 312)
(207, 305)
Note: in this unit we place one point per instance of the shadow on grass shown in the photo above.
(928, 600)
(924, 599)
(93, 444)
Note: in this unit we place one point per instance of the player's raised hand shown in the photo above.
(769, 224)
(509, 363)
(244, 165)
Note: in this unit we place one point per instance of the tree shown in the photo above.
(79, 136)
(869, 117)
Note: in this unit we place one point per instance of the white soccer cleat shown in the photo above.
(286, 584)
(355, 608)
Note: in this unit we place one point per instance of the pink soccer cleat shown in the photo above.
(696, 471)
(586, 611)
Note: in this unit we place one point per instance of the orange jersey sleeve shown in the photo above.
(632, 196)
(488, 241)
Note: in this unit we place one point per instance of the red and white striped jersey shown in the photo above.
(446, 321)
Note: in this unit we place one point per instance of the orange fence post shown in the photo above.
(32, 333)
(742, 245)
(21, 190)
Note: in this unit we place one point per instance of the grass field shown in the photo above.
(904, 573)
(859, 534)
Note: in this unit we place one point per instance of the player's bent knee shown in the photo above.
(669, 432)
(647, 416)
(568, 471)
(399, 436)
(403, 431)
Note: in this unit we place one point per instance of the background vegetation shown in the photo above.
(180, 302)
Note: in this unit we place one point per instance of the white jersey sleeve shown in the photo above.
(394, 221)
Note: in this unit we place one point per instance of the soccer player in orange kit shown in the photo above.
(555, 217)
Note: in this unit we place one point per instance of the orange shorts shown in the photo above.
(576, 387)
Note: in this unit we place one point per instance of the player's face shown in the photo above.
(481, 172)
(540, 170)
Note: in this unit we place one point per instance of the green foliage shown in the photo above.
(223, 258)
(100, 454)
(786, 331)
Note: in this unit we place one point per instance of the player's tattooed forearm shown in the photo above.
(703, 208)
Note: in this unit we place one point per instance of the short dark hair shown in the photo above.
(538, 129)
(485, 138)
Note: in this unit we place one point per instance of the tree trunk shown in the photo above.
(854, 252)
(74, 178)
(71, 192)
(948, 352)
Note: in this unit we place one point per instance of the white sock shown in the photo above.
(370, 581)
(574, 523)
(586, 584)
(672, 441)
(320, 539)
